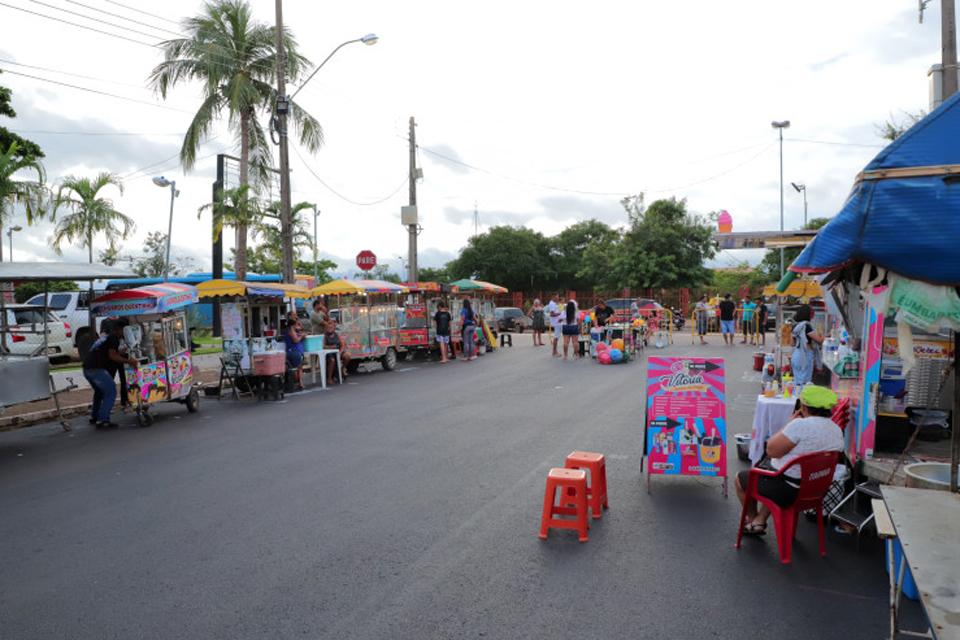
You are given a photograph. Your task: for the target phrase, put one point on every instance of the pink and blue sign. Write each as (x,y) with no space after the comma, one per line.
(686,417)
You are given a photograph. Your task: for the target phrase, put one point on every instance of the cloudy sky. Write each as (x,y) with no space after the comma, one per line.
(530,113)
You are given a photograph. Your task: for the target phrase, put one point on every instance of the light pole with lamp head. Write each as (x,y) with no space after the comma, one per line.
(10,235)
(802,188)
(781,125)
(163,182)
(280,125)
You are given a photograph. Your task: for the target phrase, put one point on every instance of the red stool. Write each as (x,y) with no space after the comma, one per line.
(597,487)
(572,484)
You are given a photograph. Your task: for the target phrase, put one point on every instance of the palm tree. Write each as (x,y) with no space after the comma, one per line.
(302,239)
(234,58)
(28,193)
(234,208)
(90,215)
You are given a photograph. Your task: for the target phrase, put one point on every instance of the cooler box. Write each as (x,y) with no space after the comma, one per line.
(313,343)
(269,364)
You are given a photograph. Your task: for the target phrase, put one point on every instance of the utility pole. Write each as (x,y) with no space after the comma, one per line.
(413,273)
(948,44)
(286,232)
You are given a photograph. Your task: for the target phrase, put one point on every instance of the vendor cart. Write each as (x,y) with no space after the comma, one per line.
(369,319)
(158,339)
(418,333)
(480,294)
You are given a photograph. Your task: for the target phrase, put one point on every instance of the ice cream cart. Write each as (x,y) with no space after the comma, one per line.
(480,294)
(158,339)
(369,319)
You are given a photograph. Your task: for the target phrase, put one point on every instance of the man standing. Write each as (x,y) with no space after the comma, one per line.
(748,322)
(727,325)
(442,320)
(318,318)
(761,321)
(602,313)
(702,313)
(556,321)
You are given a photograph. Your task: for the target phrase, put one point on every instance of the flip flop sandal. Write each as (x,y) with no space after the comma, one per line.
(755,529)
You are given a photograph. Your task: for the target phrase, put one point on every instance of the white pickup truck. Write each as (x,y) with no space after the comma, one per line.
(72,307)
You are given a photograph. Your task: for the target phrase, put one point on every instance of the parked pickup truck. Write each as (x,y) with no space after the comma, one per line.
(72,307)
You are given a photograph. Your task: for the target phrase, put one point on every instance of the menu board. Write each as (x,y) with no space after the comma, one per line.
(231,321)
(686,417)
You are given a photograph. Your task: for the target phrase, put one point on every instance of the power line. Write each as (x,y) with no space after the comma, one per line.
(96,133)
(80,15)
(152,15)
(343,197)
(102,93)
(106,33)
(74,75)
(117,15)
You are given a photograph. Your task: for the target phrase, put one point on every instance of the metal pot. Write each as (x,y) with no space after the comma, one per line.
(933,423)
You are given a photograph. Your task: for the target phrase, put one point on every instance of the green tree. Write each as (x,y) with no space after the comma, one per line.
(893,129)
(90,214)
(237,209)
(30,194)
(435,274)
(568,251)
(233,58)
(379,272)
(26,149)
(665,247)
(731,280)
(769,267)
(512,257)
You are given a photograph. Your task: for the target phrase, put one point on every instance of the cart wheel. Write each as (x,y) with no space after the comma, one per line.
(66,425)
(389,360)
(353,366)
(193,401)
(145,418)
(520,328)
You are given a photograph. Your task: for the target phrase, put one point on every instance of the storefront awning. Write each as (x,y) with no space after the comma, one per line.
(352,287)
(479,285)
(156,298)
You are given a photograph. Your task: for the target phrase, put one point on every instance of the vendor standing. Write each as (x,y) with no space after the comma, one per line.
(806,346)
(99,367)
(602,313)
(318,318)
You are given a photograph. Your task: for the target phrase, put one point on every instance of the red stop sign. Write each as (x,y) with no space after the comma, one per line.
(366,260)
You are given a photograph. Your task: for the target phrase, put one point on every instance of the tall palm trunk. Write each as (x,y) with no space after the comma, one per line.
(241,264)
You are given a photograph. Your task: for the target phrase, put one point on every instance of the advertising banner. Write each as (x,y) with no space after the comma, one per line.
(686,431)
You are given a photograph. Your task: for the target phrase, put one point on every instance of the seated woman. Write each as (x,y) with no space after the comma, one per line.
(293,337)
(810,430)
(331,340)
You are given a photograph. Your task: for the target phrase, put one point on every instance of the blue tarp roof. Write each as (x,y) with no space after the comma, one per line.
(910,225)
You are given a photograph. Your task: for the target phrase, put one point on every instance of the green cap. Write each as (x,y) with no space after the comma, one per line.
(818,397)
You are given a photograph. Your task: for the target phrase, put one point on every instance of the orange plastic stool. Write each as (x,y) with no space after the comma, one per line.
(597,487)
(572,484)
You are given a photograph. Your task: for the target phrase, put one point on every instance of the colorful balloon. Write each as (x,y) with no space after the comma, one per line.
(617,344)
(616,355)
(604,357)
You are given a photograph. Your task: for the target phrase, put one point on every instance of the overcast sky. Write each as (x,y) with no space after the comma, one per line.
(538,114)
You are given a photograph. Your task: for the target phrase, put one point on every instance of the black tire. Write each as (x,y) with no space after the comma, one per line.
(520,328)
(84,342)
(193,401)
(353,366)
(389,360)
(145,418)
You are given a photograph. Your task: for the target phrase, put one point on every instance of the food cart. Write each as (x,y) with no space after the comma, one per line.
(369,319)
(158,338)
(418,333)
(480,294)
(252,315)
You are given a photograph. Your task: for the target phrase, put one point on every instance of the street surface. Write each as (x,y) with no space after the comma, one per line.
(406,505)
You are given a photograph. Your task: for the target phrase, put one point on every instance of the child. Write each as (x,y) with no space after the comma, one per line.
(442,319)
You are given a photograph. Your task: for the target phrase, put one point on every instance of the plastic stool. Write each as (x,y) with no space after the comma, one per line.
(572,484)
(597,488)
(457,346)
(506,338)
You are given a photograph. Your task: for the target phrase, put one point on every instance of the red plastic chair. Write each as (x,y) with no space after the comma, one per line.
(816,474)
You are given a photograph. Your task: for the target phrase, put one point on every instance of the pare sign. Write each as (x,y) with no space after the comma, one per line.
(366,260)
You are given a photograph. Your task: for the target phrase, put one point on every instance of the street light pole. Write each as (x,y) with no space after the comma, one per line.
(802,188)
(781,125)
(282,109)
(315,273)
(10,235)
(163,182)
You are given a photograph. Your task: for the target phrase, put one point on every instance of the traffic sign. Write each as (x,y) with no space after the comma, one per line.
(366,260)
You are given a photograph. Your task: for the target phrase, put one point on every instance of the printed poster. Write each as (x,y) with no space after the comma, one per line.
(686,417)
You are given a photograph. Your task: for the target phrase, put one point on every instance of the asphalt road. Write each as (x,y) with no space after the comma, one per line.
(404,505)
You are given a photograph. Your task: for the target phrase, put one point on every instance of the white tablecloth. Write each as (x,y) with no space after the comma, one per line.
(771,415)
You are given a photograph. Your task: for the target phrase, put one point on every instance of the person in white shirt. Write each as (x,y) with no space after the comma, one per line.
(556,321)
(809,431)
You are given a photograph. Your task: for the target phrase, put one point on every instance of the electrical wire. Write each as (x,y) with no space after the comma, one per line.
(714,177)
(85,17)
(74,24)
(96,133)
(117,15)
(343,197)
(102,93)
(152,15)
(74,75)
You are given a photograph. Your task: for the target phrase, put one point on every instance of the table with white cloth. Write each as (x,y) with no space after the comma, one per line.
(321,356)
(771,415)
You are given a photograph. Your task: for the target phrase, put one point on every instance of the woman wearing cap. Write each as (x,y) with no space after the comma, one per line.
(810,430)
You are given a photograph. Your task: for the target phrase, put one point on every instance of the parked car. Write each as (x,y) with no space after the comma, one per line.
(512,319)
(72,307)
(771,317)
(25,332)
(622,307)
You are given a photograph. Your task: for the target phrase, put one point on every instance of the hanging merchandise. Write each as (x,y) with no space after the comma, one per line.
(926,306)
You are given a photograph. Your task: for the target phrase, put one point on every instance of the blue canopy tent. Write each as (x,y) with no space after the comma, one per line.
(903,213)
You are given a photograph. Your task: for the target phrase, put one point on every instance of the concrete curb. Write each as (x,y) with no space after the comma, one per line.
(12,423)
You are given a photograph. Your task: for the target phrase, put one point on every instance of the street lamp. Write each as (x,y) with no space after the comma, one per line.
(802,188)
(402,267)
(781,126)
(280,125)
(10,235)
(163,182)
